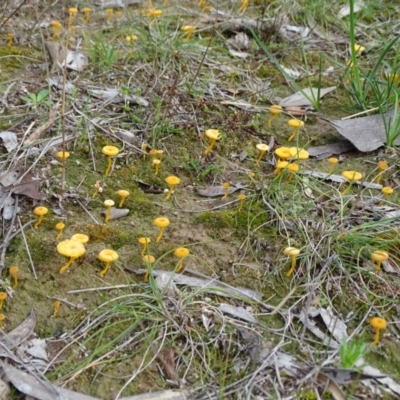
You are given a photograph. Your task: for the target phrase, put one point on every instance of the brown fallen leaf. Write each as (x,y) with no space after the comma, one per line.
(27,186)
(150,188)
(216,191)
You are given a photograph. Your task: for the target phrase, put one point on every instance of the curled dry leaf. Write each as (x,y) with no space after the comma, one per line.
(117,213)
(9,140)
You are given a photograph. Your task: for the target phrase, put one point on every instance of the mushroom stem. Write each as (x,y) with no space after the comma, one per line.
(210,146)
(262,152)
(67,265)
(39,221)
(179,267)
(347,189)
(376,337)
(108,165)
(170,191)
(292,136)
(105,270)
(56,306)
(160,234)
(290,272)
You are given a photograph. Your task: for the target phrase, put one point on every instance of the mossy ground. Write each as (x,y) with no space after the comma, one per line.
(183,82)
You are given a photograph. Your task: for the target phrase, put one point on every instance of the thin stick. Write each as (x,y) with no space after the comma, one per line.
(8,238)
(27,248)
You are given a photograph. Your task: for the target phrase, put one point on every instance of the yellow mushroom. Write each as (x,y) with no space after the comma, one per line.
(332,161)
(262,148)
(241,197)
(56,25)
(379,256)
(226,186)
(295,124)
(275,110)
(280,165)
(156,164)
(149,261)
(386,190)
(144,241)
(293,253)
(181,253)
(56,306)
(107,256)
(378,324)
(123,194)
(382,166)
(161,222)
(108,204)
(3,296)
(86,12)
(188,30)
(60,227)
(110,152)
(72,249)
(213,135)
(283,153)
(110,13)
(292,168)
(2,319)
(96,189)
(351,176)
(299,154)
(80,237)
(14,273)
(40,212)
(172,181)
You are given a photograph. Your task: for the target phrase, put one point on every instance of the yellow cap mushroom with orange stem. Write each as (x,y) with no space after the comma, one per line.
(3,296)
(292,168)
(275,110)
(293,253)
(332,161)
(283,153)
(144,241)
(378,324)
(262,148)
(351,176)
(123,194)
(226,186)
(241,197)
(295,124)
(40,212)
(379,256)
(110,152)
(181,253)
(386,190)
(86,12)
(382,166)
(149,261)
(108,204)
(60,227)
(156,164)
(72,249)
(162,223)
(172,181)
(107,256)
(212,135)
(14,273)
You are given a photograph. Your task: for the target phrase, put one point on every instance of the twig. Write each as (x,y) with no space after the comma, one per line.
(27,248)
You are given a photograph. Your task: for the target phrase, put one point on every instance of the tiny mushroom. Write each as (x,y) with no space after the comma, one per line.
(96,189)
(86,11)
(188,30)
(63,155)
(156,164)
(358,48)
(148,260)
(262,148)
(386,190)
(107,256)
(40,211)
(181,253)
(280,165)
(56,25)
(293,252)
(332,161)
(226,186)
(351,176)
(108,204)
(14,273)
(110,13)
(241,197)
(382,166)
(161,222)
(56,306)
(72,249)
(60,227)
(295,124)
(213,135)
(110,152)
(275,110)
(2,318)
(144,241)
(123,194)
(378,324)
(3,296)
(378,256)
(293,168)
(172,181)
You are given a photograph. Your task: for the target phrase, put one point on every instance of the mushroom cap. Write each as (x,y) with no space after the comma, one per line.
(299,153)
(123,193)
(3,295)
(86,9)
(212,134)
(161,222)
(275,109)
(2,317)
(55,24)
(40,211)
(155,162)
(144,240)
(60,225)
(14,270)
(148,259)
(281,164)
(109,203)
(379,255)
(295,123)
(73,10)
(63,154)
(352,175)
(181,252)
(292,167)
(188,28)
(172,180)
(262,147)
(71,248)
(378,323)
(241,196)
(382,165)
(359,48)
(283,152)
(80,237)
(153,152)
(333,160)
(107,255)
(226,185)
(291,251)
(387,190)
(110,150)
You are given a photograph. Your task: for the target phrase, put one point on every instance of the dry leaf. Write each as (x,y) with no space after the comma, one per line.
(9,139)
(117,213)
(216,191)
(150,188)
(27,186)
(302,98)
(327,150)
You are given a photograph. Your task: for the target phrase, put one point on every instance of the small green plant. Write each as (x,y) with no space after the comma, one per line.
(351,352)
(37,99)
(103,55)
